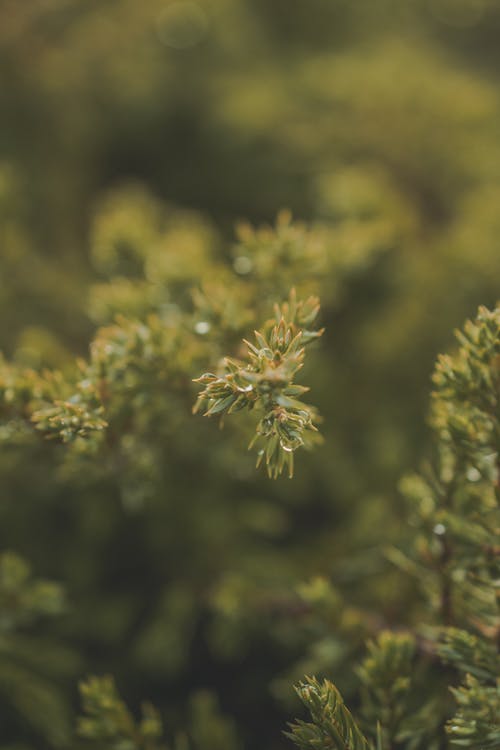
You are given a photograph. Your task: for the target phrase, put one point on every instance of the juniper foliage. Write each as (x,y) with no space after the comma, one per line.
(380,120)
(462,516)
(108,723)
(32,664)
(455,558)
(266,382)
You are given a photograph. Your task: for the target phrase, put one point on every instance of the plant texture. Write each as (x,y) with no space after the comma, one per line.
(455,558)
(266,382)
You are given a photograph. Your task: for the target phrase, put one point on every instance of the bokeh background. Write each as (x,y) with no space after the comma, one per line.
(378,119)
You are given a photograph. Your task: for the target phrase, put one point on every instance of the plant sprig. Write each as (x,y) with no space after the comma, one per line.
(265,382)
(332,724)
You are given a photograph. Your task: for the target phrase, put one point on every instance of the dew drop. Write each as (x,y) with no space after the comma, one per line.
(202,327)
(473,474)
(242,265)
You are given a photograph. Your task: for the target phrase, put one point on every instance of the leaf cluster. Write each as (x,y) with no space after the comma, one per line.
(331,725)
(108,723)
(455,558)
(31,664)
(265,382)
(23,598)
(476,724)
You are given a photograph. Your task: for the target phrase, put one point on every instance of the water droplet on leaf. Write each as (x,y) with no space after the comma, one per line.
(202,327)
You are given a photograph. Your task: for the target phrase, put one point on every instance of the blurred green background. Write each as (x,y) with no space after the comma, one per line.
(378,119)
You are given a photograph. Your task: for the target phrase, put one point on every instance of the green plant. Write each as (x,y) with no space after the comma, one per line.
(31,663)
(266,382)
(108,723)
(456,560)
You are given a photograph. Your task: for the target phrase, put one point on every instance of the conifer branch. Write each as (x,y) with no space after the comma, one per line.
(476,724)
(108,723)
(22,598)
(331,725)
(386,678)
(265,382)
(470,654)
(455,558)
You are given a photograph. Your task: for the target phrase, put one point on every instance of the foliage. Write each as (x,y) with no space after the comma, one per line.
(456,560)
(266,382)
(332,725)
(135,136)
(31,664)
(108,722)
(476,722)
(387,675)
(106,404)
(22,598)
